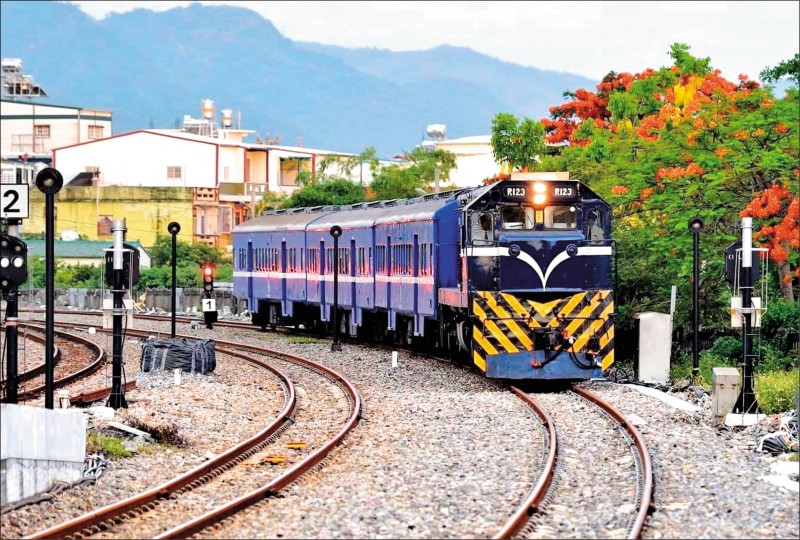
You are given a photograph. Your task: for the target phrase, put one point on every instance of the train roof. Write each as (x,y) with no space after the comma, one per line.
(364,214)
(284,220)
(369,214)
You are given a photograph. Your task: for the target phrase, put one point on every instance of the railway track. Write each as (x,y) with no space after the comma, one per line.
(128,518)
(536,514)
(68,362)
(604,446)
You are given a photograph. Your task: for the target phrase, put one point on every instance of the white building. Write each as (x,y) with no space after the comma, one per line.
(174,158)
(474,159)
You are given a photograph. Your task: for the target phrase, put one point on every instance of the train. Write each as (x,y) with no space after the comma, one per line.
(513,277)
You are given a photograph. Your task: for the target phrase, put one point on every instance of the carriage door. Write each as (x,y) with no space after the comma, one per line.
(284,299)
(352,273)
(415,273)
(248,267)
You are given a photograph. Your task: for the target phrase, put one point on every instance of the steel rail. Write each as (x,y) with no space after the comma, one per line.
(536,496)
(39,368)
(646,504)
(276,485)
(164,490)
(58,383)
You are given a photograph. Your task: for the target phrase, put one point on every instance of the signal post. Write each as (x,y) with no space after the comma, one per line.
(209,303)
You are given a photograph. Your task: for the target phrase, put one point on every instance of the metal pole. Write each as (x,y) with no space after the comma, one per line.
(49,182)
(174,228)
(746,403)
(696,227)
(336,231)
(117,399)
(12,381)
(12,339)
(695,307)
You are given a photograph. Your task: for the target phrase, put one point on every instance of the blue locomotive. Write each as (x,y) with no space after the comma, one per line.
(513,277)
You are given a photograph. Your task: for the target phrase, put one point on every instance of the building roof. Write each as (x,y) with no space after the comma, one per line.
(76,249)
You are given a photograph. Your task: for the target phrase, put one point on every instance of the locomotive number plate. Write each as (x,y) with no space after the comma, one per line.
(564,192)
(515,192)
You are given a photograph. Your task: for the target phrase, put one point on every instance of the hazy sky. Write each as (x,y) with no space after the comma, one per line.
(585,38)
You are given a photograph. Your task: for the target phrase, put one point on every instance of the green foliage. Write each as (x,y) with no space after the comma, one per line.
(787,68)
(110,445)
(686,62)
(520,144)
(777,391)
(78,275)
(36,273)
(186,253)
(333,191)
(417,171)
(706,362)
(780,322)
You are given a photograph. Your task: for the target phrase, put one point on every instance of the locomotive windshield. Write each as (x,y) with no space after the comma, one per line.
(527,217)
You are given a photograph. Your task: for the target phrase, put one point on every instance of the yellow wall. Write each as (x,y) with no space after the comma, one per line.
(146,211)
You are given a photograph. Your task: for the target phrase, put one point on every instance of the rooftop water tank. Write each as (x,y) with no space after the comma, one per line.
(207,108)
(227,118)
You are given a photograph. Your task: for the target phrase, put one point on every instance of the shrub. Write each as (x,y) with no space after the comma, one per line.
(109,445)
(707,361)
(777,391)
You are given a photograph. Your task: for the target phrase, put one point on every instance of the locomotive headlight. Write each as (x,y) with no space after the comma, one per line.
(539,193)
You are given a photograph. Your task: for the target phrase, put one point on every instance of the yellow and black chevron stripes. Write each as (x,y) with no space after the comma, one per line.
(504,323)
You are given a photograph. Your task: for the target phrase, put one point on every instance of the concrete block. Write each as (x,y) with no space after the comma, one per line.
(725,388)
(37,447)
(655,346)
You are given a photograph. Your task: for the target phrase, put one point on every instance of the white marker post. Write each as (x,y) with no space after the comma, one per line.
(394,359)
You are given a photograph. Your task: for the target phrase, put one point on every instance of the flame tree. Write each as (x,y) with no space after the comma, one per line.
(665,145)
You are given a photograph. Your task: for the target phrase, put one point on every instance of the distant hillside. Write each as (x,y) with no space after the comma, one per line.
(151,68)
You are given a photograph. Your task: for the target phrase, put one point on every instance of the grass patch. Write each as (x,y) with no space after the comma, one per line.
(110,445)
(305,339)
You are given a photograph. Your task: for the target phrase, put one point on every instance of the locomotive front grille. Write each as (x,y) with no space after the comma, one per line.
(508,324)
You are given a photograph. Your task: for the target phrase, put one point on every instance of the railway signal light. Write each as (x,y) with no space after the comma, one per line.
(208,278)
(13,261)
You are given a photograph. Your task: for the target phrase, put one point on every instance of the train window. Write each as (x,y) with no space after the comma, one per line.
(594,226)
(380,260)
(560,217)
(483,228)
(517,217)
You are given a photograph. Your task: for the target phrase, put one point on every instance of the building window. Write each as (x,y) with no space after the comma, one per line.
(291,169)
(174,172)
(95,132)
(42,132)
(225,218)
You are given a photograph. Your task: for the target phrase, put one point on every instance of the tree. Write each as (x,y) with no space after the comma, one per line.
(418,169)
(664,145)
(519,144)
(330,191)
(787,68)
